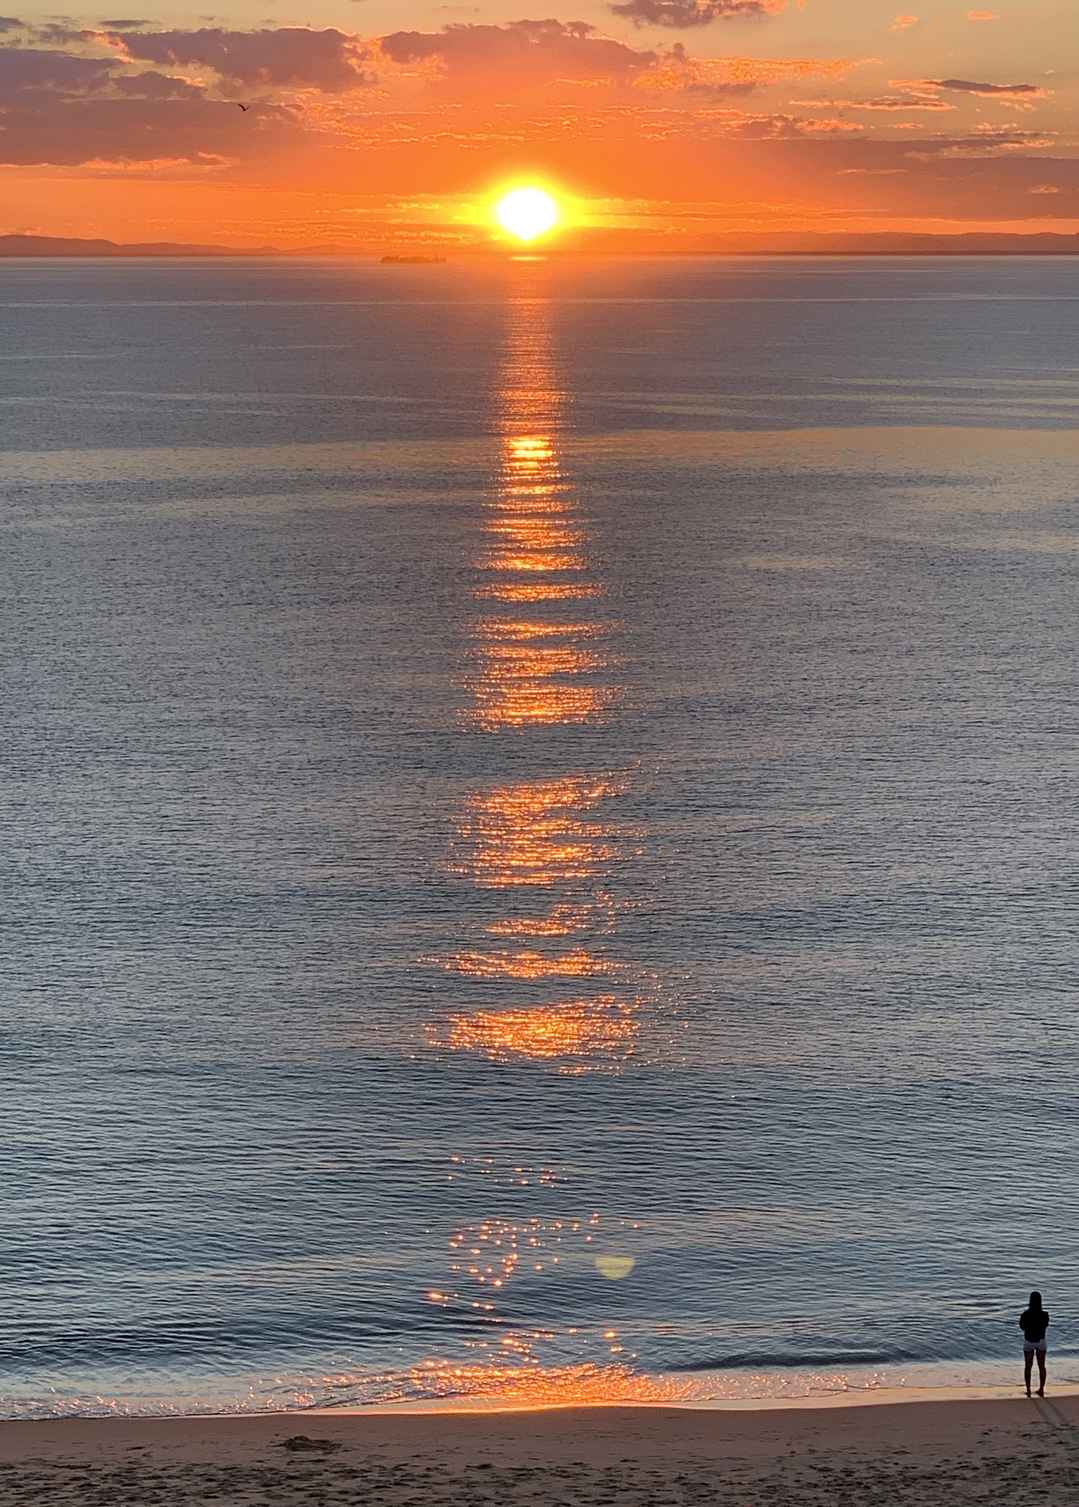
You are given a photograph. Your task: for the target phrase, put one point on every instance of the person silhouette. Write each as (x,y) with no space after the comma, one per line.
(1034,1321)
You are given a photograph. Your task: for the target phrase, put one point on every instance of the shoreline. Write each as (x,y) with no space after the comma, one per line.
(825,1401)
(925,1452)
(886,1395)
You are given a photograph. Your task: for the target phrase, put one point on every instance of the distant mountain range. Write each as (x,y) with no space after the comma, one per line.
(886,243)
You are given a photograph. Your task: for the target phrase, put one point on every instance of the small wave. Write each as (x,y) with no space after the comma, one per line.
(832,1359)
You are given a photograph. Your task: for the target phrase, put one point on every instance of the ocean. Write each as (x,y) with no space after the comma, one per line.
(539,829)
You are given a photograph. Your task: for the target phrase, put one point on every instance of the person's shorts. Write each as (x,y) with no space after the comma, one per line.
(1031,1347)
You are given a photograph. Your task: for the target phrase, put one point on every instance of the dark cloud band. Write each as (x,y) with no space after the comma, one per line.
(287,55)
(683,15)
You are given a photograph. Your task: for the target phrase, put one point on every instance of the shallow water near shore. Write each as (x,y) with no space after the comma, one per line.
(539,829)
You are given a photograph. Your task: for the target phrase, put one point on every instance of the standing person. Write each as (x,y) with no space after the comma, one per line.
(1034,1321)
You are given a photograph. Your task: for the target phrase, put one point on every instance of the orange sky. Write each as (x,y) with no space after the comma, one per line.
(668,124)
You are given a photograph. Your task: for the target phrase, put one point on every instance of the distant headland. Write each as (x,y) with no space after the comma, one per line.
(883,243)
(47,245)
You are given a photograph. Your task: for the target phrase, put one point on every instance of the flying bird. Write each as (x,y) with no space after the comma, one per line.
(241,107)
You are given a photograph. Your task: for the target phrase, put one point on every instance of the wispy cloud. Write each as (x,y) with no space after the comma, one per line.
(904,23)
(985,141)
(881,102)
(675,72)
(970,86)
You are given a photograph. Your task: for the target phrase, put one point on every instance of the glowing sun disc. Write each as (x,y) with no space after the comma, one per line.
(527,213)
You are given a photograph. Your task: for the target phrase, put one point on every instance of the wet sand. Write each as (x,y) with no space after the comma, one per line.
(930,1453)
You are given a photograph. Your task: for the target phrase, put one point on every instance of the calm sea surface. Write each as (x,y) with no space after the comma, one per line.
(539,828)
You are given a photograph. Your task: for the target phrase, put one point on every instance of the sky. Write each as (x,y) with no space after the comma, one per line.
(660,125)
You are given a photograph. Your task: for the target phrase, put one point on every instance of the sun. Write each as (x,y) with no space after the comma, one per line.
(527,212)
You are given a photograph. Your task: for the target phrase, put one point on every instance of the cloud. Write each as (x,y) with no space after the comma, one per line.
(152,85)
(681,15)
(59,33)
(904,23)
(325,60)
(982,15)
(10,23)
(23,69)
(968,86)
(1046,188)
(519,51)
(124,24)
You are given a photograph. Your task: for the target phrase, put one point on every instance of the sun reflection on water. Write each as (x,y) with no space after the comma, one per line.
(560,921)
(541,833)
(507,1366)
(535,671)
(545,985)
(523,1382)
(579,1036)
(538,591)
(529,964)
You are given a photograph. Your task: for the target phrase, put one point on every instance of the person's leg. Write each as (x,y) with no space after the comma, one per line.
(1041,1373)
(1028,1362)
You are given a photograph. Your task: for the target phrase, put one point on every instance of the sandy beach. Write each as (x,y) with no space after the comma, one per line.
(952,1452)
